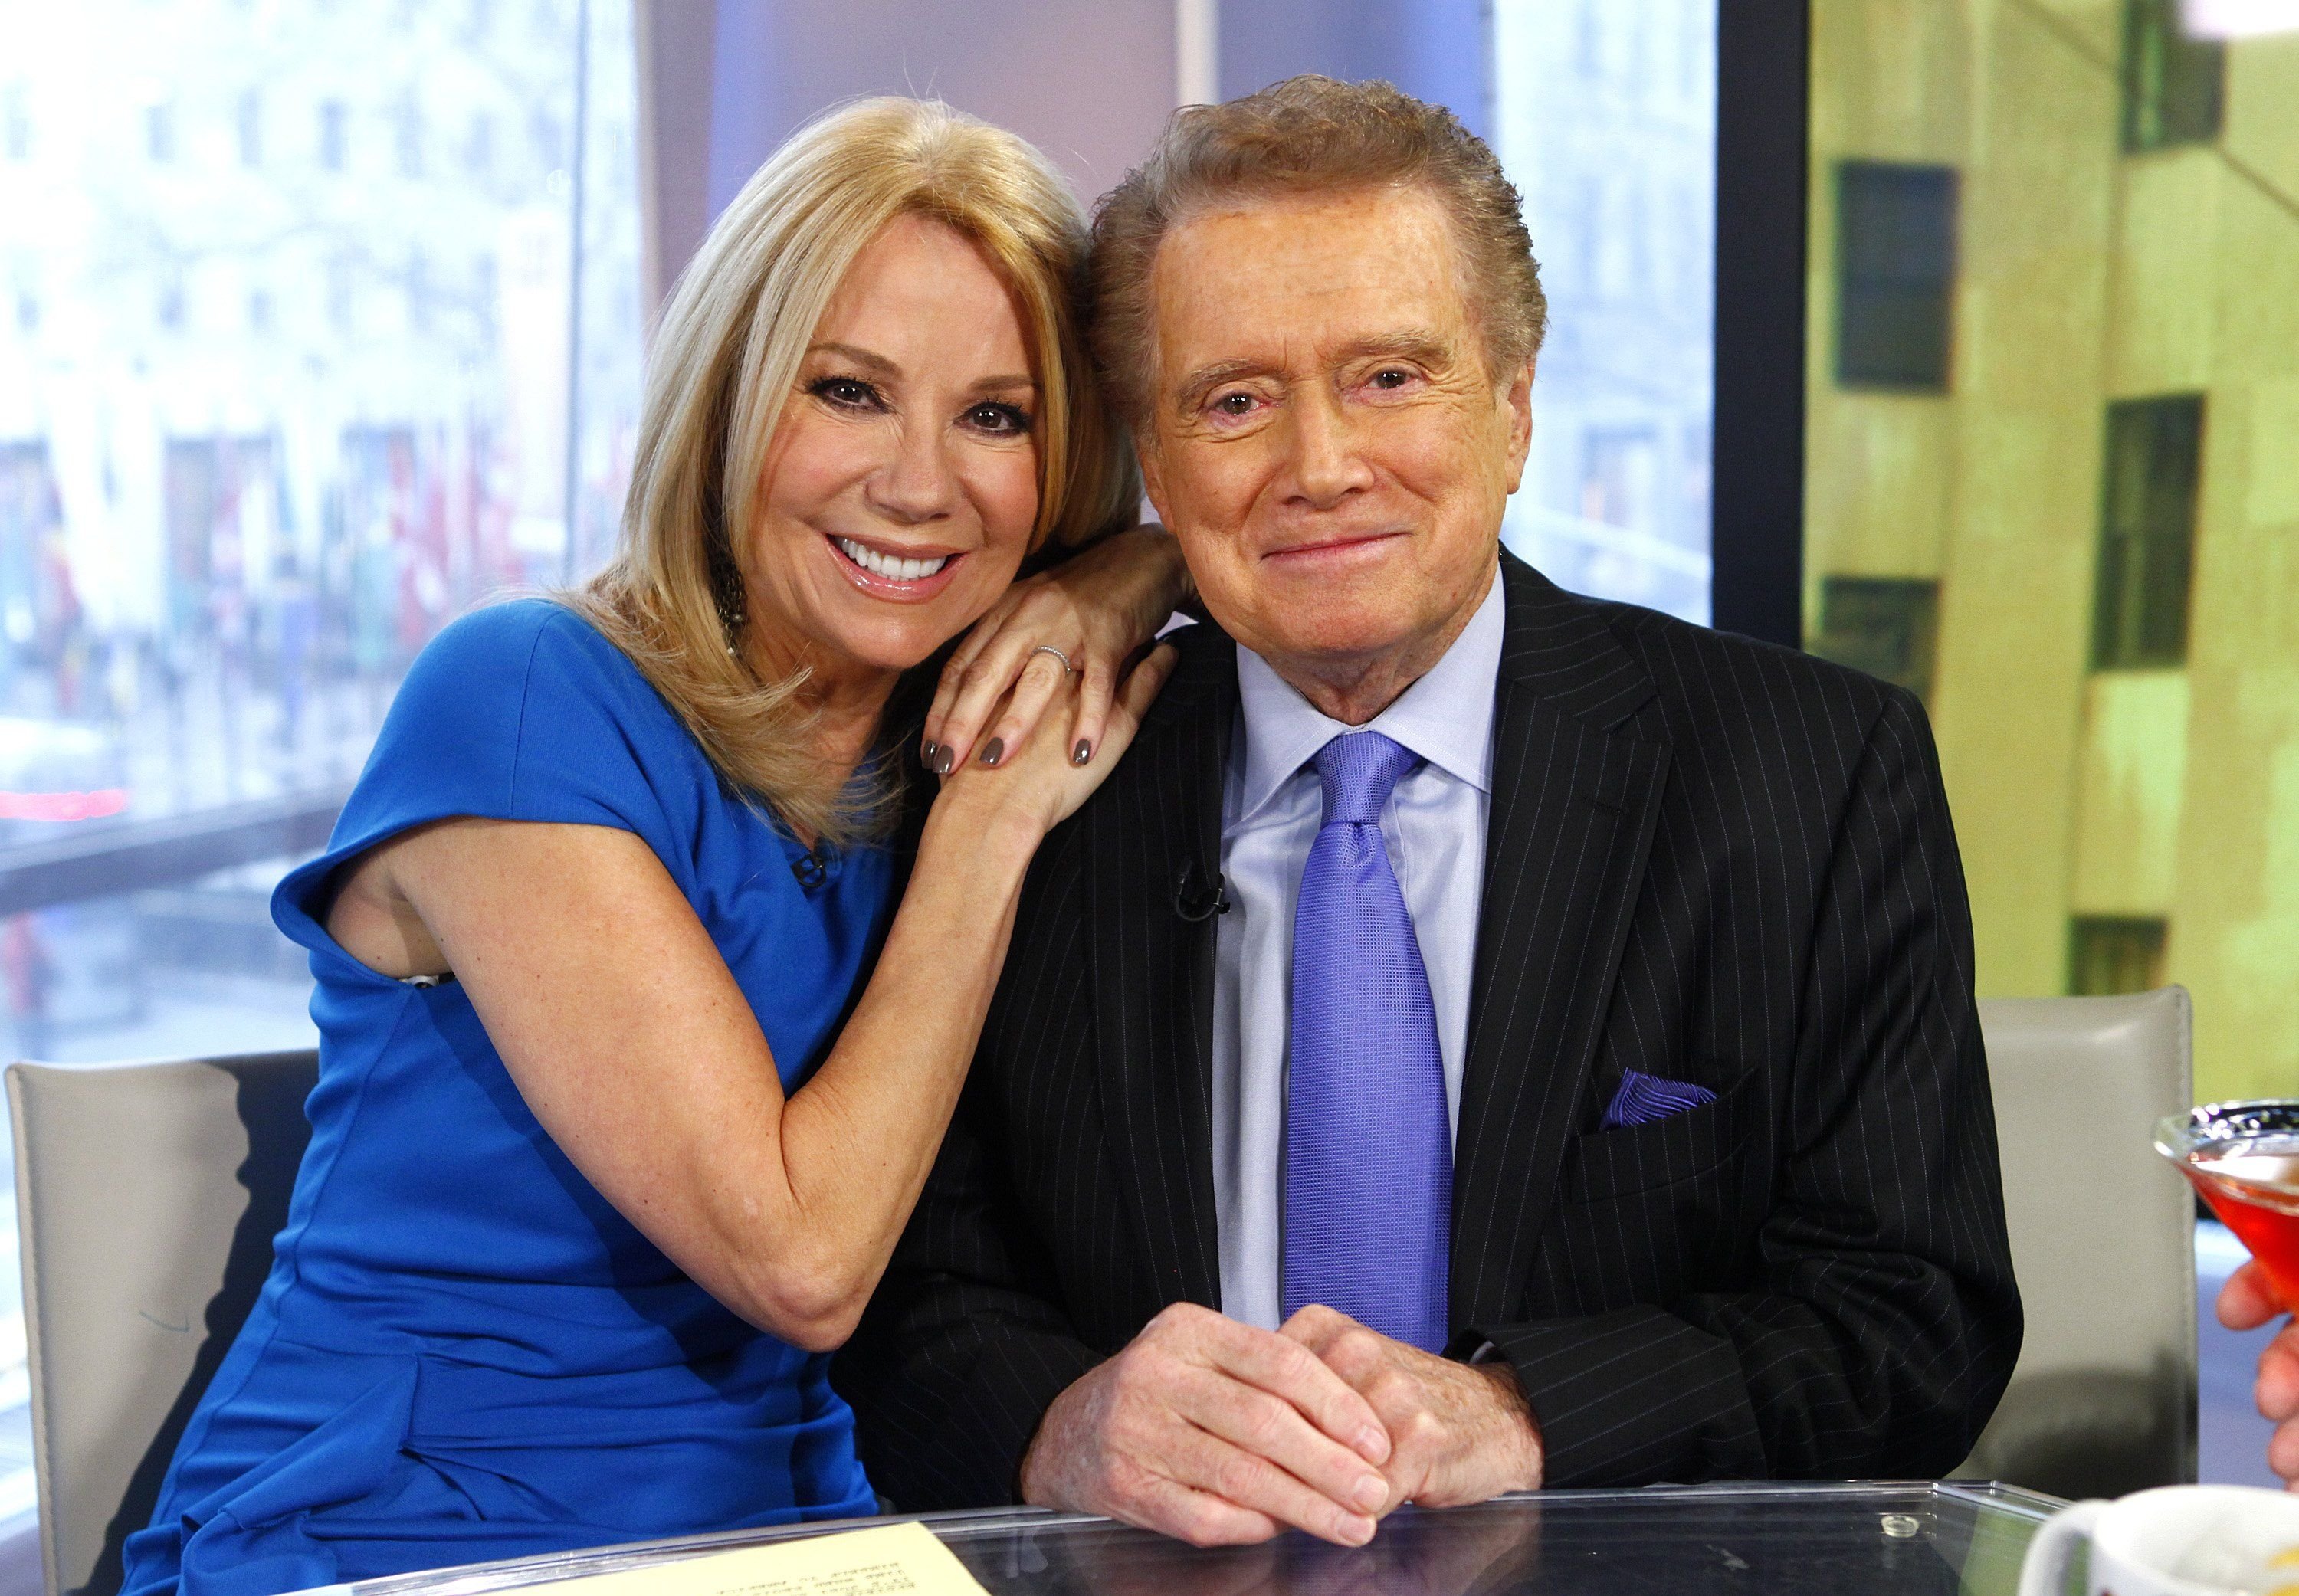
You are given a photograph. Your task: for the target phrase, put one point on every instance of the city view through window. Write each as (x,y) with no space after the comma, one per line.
(1605,115)
(2052,473)
(318,325)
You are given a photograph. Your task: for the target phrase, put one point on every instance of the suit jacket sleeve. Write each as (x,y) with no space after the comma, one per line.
(962,1349)
(1887,1321)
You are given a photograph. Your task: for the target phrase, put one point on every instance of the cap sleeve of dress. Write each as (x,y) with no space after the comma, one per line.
(518,711)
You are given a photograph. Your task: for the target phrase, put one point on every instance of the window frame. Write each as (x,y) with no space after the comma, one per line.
(2128,632)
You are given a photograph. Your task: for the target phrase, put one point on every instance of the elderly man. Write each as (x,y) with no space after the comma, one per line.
(1481,1037)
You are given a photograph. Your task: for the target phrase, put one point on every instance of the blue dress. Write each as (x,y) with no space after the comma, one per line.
(463,1352)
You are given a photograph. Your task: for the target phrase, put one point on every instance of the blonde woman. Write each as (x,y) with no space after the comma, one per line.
(635,1048)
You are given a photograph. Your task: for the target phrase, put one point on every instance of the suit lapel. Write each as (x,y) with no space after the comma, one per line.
(1153,970)
(1575,795)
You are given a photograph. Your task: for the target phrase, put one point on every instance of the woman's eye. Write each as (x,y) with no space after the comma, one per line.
(847,392)
(1392,376)
(1234,404)
(998,418)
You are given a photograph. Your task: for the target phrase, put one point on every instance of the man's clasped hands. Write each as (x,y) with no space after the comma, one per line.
(1222,1434)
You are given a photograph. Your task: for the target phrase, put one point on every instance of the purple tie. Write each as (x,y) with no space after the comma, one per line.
(1368,1146)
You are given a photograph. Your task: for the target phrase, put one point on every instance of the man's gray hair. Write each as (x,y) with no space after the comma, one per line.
(1311,134)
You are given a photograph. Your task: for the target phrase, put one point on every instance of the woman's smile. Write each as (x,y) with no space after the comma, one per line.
(909,575)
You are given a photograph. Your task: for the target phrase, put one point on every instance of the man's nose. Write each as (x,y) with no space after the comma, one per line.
(1329,463)
(914,483)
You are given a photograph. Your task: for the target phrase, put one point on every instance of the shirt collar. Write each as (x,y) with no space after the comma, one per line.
(1446,717)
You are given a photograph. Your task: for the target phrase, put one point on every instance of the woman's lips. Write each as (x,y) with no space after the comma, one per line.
(878,584)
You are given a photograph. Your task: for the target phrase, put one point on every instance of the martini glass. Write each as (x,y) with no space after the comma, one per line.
(2244,1158)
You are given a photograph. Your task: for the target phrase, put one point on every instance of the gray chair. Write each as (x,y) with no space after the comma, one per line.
(147,1196)
(2103,1241)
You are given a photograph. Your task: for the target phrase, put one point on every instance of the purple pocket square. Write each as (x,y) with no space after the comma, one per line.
(1644,1098)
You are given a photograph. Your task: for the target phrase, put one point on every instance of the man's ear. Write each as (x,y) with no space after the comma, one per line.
(1153,476)
(1517,397)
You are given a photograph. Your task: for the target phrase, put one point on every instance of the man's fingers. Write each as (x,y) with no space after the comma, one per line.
(2248,1301)
(1198,1459)
(1286,1369)
(1269,1427)
(1196,1516)
(1316,1325)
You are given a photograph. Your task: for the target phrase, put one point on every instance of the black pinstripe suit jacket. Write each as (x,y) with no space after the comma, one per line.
(1707,859)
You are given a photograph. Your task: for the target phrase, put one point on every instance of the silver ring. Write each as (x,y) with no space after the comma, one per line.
(1068,668)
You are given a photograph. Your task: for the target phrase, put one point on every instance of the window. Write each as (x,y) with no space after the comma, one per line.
(407,136)
(544,135)
(159,133)
(419,291)
(2105,487)
(479,148)
(250,127)
(2172,83)
(1885,625)
(1620,476)
(1895,275)
(1604,116)
(2108,955)
(218,553)
(340,308)
(2148,532)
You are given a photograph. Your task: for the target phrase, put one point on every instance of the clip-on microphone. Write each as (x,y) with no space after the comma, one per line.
(1194,901)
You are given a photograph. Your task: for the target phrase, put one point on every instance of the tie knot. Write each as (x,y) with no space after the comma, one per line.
(1359,770)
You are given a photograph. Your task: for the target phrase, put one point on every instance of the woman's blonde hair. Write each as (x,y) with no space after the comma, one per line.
(725,360)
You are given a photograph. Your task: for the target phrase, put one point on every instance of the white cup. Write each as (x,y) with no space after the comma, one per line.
(2175,1541)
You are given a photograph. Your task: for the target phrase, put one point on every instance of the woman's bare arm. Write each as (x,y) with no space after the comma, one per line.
(631,1044)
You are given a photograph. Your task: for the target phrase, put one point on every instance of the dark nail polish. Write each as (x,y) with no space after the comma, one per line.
(994,750)
(941,760)
(927,754)
(1082,753)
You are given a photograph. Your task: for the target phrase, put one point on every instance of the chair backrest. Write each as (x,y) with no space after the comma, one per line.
(147,1196)
(2103,1241)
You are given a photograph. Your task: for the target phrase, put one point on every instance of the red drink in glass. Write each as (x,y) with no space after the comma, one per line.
(2244,1158)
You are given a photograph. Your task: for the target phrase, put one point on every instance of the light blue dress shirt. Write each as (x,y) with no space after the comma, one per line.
(1271,806)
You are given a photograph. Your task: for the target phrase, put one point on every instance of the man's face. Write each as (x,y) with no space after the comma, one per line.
(1322,435)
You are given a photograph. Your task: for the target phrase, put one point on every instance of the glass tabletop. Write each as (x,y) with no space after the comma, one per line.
(1953,1538)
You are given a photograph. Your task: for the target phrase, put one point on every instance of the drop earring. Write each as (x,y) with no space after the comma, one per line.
(727,599)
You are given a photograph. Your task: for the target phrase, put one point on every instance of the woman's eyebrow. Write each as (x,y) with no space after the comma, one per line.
(878,365)
(868,360)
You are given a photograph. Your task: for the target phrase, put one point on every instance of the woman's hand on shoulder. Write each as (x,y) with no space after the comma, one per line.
(1098,607)
(1037,785)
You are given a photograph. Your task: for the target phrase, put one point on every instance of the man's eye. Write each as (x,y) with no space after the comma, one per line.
(1391,377)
